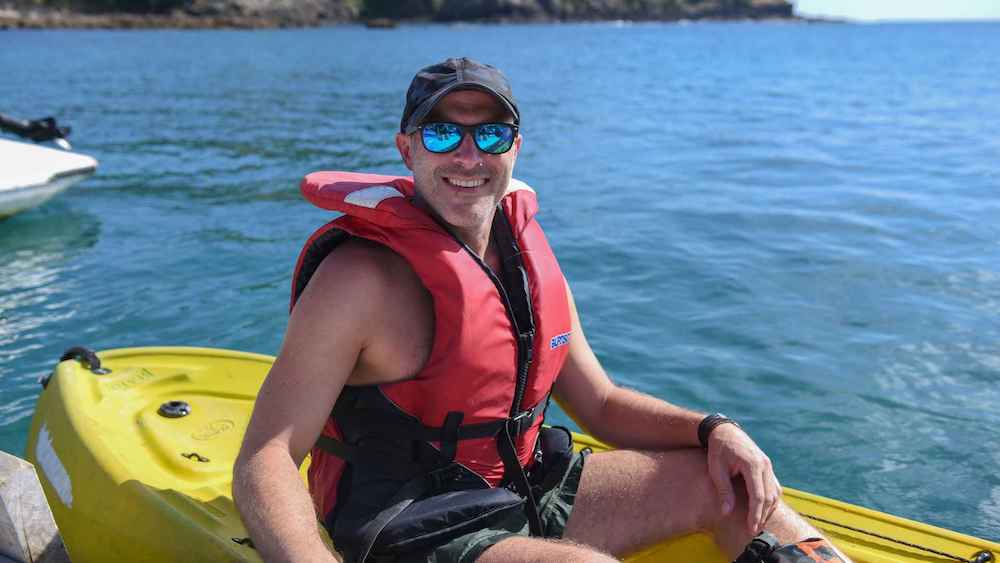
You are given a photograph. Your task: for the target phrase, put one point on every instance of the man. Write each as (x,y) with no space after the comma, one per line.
(433,321)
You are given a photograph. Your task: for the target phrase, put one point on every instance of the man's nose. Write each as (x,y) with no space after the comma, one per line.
(467,153)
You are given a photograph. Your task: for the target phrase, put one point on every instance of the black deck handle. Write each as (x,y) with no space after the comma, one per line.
(86,356)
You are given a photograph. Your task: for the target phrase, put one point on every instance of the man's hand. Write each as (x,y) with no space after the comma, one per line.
(730,453)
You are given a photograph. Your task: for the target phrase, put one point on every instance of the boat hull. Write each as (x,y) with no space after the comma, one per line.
(127,483)
(30,174)
(29,197)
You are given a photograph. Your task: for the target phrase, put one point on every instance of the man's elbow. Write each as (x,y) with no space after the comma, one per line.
(241,479)
(253,464)
(249,465)
(600,420)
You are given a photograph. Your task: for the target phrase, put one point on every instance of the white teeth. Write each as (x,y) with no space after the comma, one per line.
(467,183)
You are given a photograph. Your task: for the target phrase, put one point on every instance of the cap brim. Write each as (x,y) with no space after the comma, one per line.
(422,111)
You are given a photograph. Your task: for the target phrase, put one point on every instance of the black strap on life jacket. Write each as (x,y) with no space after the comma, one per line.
(516,292)
(314,255)
(369,409)
(514,471)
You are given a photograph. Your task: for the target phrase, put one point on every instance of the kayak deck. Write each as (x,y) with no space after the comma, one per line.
(126,482)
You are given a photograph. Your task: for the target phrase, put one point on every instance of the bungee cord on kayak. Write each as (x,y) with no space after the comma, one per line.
(978,557)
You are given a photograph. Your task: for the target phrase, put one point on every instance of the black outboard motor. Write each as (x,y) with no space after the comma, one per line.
(38,130)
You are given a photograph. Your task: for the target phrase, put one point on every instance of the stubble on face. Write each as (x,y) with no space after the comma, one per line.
(461,187)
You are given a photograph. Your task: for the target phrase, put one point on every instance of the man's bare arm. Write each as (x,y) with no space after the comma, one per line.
(327,332)
(616,415)
(629,419)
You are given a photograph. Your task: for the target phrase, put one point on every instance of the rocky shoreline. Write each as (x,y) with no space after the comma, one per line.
(63,19)
(251,14)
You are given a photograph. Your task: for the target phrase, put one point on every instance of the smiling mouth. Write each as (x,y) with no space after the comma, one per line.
(467,183)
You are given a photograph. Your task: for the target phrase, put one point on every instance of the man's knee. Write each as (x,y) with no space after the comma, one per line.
(537,550)
(698,504)
(630,497)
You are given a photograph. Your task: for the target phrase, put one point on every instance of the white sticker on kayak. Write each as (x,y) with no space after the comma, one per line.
(53,468)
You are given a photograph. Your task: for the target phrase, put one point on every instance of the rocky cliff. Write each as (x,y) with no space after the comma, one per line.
(455,10)
(280,13)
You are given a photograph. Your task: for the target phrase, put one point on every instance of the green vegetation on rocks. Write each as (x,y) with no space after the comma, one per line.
(274,13)
(456,10)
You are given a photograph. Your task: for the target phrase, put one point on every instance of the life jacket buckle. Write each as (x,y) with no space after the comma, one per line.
(444,475)
(516,424)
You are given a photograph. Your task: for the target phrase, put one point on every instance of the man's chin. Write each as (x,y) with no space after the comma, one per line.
(469,218)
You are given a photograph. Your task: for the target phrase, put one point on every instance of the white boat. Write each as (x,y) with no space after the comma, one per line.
(32,174)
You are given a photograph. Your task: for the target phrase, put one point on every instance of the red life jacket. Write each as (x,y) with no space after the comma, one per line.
(471,380)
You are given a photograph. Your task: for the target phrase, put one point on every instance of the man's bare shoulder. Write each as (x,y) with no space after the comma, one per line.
(365,288)
(359,264)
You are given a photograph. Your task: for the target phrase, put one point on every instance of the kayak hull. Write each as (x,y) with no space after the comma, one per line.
(127,483)
(114,470)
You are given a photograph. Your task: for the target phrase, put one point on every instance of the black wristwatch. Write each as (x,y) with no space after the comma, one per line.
(711,422)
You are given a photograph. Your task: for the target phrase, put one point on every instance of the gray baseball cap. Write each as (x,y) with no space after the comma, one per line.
(437,81)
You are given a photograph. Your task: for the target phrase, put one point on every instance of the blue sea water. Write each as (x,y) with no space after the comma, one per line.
(798,225)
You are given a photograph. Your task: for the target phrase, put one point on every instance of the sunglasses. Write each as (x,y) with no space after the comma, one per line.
(491,138)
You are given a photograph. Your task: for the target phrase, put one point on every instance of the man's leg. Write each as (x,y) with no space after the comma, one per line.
(628,500)
(535,550)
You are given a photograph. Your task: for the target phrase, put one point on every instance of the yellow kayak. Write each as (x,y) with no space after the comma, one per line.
(136,462)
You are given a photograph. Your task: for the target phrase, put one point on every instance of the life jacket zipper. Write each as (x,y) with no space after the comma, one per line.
(524,354)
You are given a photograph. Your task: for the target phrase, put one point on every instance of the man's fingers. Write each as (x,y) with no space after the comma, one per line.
(775,498)
(723,484)
(757,497)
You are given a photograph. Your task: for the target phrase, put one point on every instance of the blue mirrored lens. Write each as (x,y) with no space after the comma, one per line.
(441,137)
(494,138)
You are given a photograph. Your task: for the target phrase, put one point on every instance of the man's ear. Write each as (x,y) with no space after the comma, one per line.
(405,149)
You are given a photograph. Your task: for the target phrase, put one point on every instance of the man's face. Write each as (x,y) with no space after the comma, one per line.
(462,186)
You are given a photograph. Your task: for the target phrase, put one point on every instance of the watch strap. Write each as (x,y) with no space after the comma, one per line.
(710,423)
